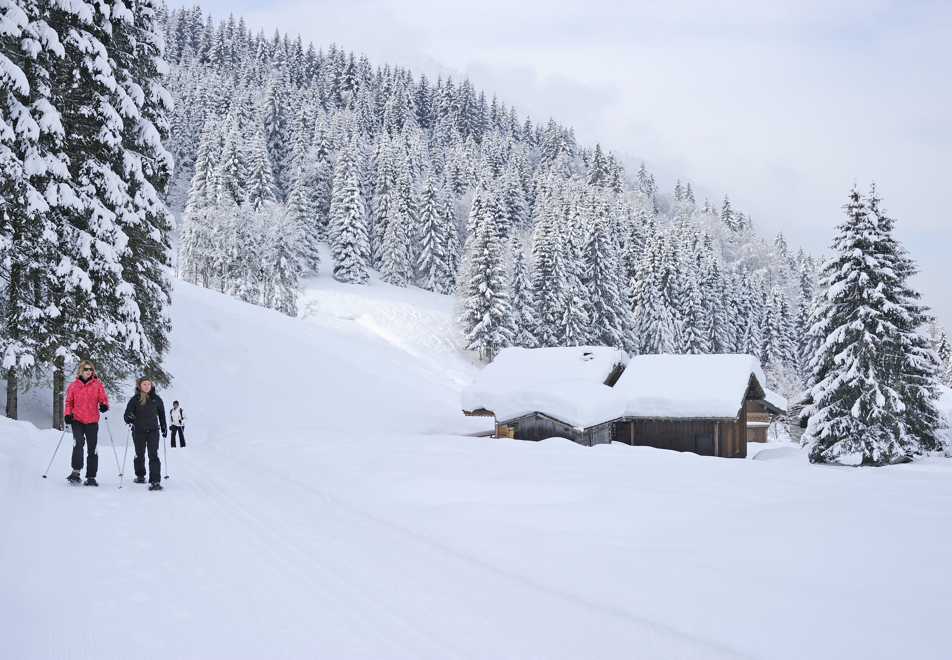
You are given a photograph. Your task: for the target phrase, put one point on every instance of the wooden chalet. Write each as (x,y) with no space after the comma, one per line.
(707,404)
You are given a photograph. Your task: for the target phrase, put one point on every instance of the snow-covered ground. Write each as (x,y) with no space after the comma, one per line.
(330,504)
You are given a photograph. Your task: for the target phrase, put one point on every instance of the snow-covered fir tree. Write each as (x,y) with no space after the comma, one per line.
(485,310)
(439,242)
(350,246)
(875,374)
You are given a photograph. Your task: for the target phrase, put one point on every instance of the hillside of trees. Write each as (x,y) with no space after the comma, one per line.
(432,183)
(280,148)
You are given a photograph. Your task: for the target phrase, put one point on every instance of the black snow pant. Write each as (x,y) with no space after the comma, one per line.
(87,434)
(150,439)
(181,432)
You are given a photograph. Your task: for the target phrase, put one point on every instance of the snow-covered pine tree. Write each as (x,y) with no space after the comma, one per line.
(277,131)
(873,367)
(232,177)
(137,48)
(196,231)
(598,169)
(439,242)
(576,209)
(282,258)
(914,362)
(727,215)
(260,185)
(302,217)
(30,165)
(485,310)
(942,348)
(548,272)
(716,311)
(97,314)
(611,325)
(396,255)
(350,246)
(522,297)
(655,328)
(695,329)
(382,195)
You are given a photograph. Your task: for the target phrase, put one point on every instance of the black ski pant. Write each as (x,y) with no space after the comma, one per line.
(85,434)
(181,432)
(142,440)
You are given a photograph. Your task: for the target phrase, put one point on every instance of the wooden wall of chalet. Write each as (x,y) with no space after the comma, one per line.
(730,437)
(758,419)
(537,427)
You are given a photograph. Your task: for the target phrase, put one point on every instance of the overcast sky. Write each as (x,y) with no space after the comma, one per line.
(780,105)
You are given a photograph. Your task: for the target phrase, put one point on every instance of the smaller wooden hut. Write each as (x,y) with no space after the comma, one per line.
(550,392)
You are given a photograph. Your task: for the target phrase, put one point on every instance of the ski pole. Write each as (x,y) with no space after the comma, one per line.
(124,454)
(166,456)
(54,454)
(114,452)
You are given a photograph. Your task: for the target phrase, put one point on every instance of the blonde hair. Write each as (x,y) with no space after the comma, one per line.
(143,396)
(79,369)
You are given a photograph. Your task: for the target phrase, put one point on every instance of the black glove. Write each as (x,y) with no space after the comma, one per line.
(68,418)
(165,433)
(128,419)
(103,407)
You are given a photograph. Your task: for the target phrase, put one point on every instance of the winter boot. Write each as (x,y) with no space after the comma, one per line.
(74,477)
(155,485)
(91,482)
(139,480)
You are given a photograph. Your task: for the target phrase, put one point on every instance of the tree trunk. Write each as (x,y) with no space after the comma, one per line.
(59,380)
(12,393)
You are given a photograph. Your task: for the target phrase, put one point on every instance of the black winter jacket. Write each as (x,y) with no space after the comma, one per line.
(147,417)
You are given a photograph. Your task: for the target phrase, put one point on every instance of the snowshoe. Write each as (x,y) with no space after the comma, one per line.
(139,480)
(74,477)
(155,485)
(91,482)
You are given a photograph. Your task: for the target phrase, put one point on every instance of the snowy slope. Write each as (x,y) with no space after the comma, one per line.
(328,506)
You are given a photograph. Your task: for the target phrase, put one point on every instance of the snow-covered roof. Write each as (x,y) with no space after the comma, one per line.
(568,385)
(564,383)
(776,400)
(573,401)
(687,386)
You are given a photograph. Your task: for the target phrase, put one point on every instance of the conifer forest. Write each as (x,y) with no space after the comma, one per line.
(280,148)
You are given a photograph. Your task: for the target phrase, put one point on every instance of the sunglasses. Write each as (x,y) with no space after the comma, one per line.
(87,368)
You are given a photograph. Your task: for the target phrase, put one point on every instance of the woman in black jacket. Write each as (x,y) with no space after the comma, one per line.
(146,413)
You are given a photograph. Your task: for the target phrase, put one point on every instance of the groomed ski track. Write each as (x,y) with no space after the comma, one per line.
(230,561)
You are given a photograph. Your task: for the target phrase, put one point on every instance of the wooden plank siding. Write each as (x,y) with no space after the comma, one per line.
(537,427)
(730,436)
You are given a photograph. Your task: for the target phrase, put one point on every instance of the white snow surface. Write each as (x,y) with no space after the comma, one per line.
(328,505)
(564,383)
(687,386)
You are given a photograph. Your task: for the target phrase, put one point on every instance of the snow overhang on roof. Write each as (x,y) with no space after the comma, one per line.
(774,402)
(688,386)
(567,384)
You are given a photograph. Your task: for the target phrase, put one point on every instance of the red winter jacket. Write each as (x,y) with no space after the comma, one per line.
(83,399)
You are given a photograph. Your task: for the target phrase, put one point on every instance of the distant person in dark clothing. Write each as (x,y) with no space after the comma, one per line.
(177,421)
(146,413)
(85,399)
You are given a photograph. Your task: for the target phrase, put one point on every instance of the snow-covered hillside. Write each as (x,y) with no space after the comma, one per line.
(330,504)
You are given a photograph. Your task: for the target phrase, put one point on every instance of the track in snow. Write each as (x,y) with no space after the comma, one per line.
(231,561)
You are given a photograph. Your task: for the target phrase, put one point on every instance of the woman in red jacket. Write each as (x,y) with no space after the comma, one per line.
(85,399)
